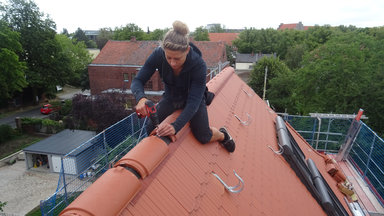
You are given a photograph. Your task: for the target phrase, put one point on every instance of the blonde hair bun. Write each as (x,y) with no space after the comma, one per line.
(180,27)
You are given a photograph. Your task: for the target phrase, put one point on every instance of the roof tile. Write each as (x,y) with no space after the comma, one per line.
(136,52)
(184,184)
(227,38)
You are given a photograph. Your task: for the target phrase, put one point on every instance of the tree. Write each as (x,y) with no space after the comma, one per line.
(275,68)
(79,36)
(99,111)
(200,34)
(216,28)
(335,75)
(318,35)
(105,34)
(41,51)
(295,55)
(157,34)
(12,76)
(78,60)
(128,32)
(257,41)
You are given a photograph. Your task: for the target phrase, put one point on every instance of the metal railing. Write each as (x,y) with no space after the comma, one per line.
(367,157)
(324,135)
(82,166)
(366,154)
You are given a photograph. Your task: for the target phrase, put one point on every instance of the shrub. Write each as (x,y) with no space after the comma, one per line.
(6,133)
(52,126)
(31,121)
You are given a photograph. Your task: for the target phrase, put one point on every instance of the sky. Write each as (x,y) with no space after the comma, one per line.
(237,14)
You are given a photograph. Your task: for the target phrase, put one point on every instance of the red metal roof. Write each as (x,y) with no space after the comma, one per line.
(178,179)
(227,38)
(136,52)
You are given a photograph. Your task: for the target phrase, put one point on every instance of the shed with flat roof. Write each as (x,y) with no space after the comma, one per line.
(49,152)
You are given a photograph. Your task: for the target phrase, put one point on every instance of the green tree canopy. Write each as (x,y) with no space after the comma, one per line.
(157,34)
(79,58)
(200,34)
(129,31)
(79,36)
(216,28)
(335,75)
(37,36)
(271,66)
(105,34)
(12,76)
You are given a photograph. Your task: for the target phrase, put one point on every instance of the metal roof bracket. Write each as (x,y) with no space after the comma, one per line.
(245,123)
(279,152)
(234,189)
(249,94)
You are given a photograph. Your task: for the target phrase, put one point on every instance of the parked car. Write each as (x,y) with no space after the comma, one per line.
(48,108)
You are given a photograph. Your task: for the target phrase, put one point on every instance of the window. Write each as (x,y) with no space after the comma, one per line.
(126,77)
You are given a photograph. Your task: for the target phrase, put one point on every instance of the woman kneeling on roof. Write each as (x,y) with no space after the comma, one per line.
(183,72)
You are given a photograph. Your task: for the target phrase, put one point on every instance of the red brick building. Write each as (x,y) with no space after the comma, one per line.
(119,61)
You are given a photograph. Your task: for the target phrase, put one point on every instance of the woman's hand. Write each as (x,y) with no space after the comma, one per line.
(140,107)
(165,129)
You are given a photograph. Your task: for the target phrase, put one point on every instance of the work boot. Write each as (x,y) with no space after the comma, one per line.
(228,142)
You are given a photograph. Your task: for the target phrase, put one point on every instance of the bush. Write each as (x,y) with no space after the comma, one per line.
(6,133)
(66,108)
(31,125)
(52,126)
(31,121)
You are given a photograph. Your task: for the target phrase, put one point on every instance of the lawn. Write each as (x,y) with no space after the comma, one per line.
(18,143)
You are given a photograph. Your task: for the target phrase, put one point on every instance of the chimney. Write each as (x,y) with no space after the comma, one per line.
(133,39)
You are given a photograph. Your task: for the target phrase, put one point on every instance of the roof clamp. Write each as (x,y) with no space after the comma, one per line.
(234,189)
(249,94)
(279,152)
(245,123)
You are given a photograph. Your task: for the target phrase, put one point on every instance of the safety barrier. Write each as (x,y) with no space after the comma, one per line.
(93,158)
(367,156)
(367,150)
(324,134)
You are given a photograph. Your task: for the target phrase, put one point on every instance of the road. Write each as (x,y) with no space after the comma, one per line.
(31,113)
(34,112)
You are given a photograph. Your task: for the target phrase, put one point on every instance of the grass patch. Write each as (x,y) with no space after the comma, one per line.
(34,212)
(18,143)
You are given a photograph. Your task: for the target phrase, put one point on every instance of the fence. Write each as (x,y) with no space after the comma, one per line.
(328,134)
(324,134)
(367,156)
(82,166)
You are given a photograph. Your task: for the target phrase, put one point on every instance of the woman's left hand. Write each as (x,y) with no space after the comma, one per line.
(165,129)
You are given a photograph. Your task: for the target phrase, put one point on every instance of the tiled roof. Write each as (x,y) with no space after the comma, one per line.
(125,52)
(227,38)
(288,26)
(177,179)
(297,26)
(213,52)
(136,52)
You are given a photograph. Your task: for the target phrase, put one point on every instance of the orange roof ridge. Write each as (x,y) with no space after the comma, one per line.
(184,182)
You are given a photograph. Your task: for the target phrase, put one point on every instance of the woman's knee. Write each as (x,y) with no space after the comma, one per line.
(203,138)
